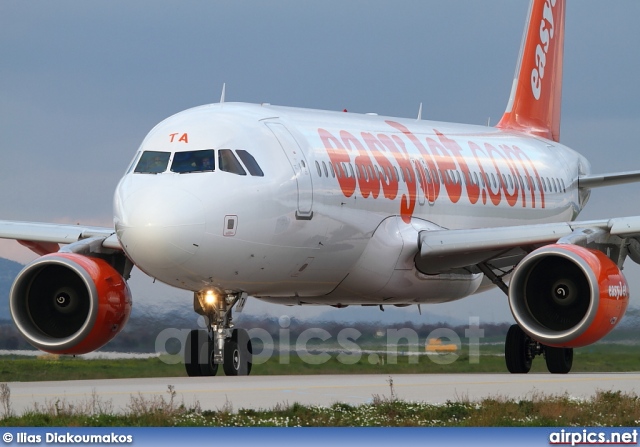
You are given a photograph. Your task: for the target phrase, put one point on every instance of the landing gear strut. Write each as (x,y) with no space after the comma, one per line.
(520,350)
(221,344)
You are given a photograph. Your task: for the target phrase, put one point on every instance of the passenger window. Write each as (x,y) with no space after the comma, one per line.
(324,167)
(318,168)
(333,172)
(229,163)
(250,162)
(193,161)
(153,162)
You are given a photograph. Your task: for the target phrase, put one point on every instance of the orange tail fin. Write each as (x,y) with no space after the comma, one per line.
(534,104)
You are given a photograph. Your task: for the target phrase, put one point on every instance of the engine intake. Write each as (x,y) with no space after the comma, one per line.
(567,296)
(66,303)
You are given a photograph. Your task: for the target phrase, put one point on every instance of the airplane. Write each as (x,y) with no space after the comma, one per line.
(311,207)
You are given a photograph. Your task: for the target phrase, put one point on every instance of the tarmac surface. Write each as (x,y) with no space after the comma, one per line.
(265,392)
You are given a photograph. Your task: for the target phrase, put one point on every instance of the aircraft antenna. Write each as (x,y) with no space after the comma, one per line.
(419,113)
(489,122)
(224,86)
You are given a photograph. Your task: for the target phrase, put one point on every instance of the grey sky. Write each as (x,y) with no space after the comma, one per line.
(83,82)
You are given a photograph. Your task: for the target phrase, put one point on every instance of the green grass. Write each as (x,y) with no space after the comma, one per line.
(30,369)
(604,409)
(597,358)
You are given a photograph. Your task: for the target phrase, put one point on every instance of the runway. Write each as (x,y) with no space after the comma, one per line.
(264,392)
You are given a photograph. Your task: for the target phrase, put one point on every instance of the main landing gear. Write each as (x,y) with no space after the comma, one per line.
(221,344)
(520,350)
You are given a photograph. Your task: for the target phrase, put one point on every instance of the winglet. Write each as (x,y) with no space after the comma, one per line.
(534,104)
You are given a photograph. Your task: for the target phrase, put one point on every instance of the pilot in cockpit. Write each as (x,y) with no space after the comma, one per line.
(206,164)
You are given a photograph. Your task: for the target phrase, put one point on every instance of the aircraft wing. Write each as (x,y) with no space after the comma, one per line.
(446,250)
(615,178)
(44,237)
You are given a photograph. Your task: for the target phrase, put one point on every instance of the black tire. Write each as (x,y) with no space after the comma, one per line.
(516,351)
(559,360)
(237,354)
(198,355)
(209,367)
(191,351)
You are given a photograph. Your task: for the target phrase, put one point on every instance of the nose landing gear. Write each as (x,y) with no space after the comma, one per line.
(221,344)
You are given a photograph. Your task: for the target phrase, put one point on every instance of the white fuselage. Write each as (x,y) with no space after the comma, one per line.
(334,217)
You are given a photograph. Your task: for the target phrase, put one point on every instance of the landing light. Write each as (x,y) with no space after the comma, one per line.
(210,298)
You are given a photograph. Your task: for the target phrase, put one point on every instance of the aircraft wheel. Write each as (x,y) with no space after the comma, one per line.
(516,351)
(237,354)
(193,346)
(559,360)
(210,368)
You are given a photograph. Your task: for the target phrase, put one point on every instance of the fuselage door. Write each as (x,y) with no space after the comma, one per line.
(300,168)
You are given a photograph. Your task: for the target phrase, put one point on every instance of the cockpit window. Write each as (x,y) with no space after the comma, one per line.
(134,162)
(193,161)
(229,163)
(153,162)
(250,163)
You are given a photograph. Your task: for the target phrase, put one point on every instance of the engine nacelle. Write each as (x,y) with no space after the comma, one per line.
(567,296)
(66,303)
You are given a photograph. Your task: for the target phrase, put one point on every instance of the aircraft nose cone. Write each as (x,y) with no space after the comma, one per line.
(161,227)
